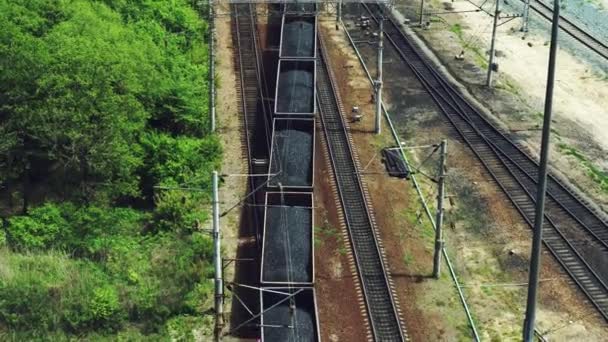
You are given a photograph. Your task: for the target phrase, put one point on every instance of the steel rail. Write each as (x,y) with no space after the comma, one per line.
(261,75)
(450,103)
(572,29)
(378,294)
(572,204)
(514,162)
(247,68)
(249,85)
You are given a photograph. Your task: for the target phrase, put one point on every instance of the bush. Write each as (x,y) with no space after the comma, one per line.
(93,229)
(181,161)
(178,211)
(2,238)
(93,304)
(156,276)
(45,292)
(42,228)
(190,328)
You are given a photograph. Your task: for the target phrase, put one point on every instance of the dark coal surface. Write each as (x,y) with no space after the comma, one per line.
(301,7)
(302,317)
(288,245)
(298,37)
(295,91)
(292,157)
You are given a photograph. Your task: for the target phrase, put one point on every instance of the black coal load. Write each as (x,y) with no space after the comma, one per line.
(298,38)
(292,154)
(302,8)
(295,88)
(293,319)
(287,244)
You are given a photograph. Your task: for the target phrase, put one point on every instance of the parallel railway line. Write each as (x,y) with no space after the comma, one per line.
(379,298)
(573,232)
(572,29)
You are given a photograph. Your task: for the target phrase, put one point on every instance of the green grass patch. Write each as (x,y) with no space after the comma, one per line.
(327,232)
(457,30)
(408,258)
(599,176)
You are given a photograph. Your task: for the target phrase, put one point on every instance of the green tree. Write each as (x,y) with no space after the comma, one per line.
(78,110)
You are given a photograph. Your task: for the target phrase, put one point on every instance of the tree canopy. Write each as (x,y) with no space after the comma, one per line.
(102,102)
(81,81)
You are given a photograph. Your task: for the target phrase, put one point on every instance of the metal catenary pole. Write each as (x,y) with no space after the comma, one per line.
(526,16)
(212,65)
(378,84)
(439,215)
(529,321)
(217,259)
(492,44)
(421,12)
(338,14)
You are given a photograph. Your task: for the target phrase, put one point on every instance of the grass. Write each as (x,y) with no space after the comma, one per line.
(381,141)
(408,258)
(327,232)
(513,88)
(470,210)
(599,176)
(478,56)
(457,30)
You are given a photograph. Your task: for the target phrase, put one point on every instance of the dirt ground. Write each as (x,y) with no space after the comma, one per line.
(486,239)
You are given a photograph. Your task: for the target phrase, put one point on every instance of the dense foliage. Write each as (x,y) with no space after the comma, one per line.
(103,115)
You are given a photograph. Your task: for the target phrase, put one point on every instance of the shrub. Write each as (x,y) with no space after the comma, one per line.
(93,229)
(49,291)
(189,328)
(42,228)
(181,161)
(92,303)
(2,238)
(177,211)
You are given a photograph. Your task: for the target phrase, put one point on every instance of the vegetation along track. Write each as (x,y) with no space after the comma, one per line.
(571,28)
(382,311)
(575,234)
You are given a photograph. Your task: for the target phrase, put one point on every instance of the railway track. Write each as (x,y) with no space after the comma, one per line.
(571,28)
(385,322)
(246,60)
(250,91)
(252,81)
(573,232)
